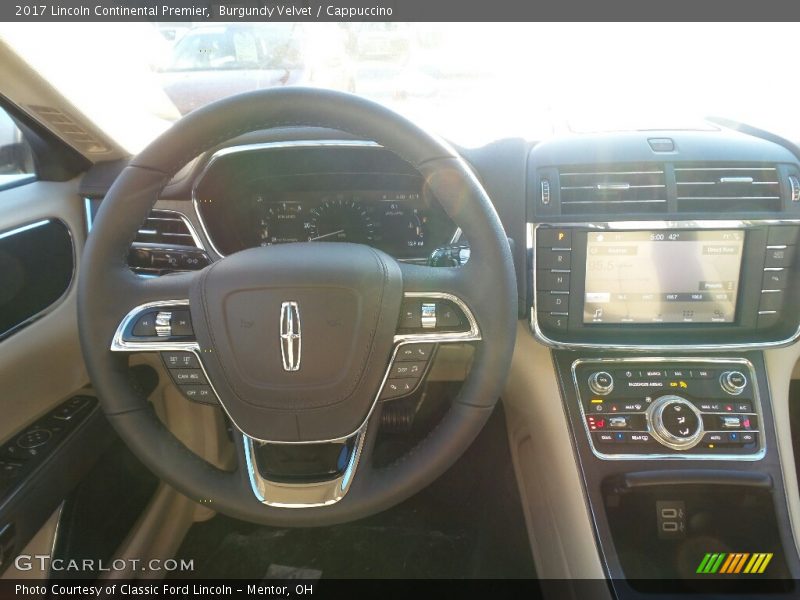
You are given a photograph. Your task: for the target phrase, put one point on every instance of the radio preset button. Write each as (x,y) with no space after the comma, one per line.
(601,383)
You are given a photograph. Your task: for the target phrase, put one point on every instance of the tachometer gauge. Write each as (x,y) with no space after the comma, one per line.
(340,220)
(282,222)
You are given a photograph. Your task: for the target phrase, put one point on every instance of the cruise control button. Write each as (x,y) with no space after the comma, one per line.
(414,352)
(188,376)
(180,360)
(181,323)
(201,393)
(145,326)
(407,369)
(395,388)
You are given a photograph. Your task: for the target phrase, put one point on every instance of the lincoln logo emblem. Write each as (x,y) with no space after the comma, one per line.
(290,336)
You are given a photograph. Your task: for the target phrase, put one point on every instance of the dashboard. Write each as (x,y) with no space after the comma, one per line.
(653,269)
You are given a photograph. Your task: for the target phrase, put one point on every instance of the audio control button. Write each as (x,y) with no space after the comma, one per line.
(601,383)
(733,382)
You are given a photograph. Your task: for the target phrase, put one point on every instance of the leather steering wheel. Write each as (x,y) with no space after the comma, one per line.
(347,297)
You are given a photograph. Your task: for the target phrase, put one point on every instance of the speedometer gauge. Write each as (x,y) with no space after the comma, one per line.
(340,220)
(283,222)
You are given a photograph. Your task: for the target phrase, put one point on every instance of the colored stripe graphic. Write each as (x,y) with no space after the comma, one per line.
(740,564)
(703,563)
(732,564)
(732,558)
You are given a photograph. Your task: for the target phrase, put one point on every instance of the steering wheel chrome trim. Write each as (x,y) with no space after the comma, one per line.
(306,494)
(302,495)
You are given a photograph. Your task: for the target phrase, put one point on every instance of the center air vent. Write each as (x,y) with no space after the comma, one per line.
(619,190)
(165,227)
(703,188)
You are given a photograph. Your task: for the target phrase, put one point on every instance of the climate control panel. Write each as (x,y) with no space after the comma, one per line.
(681,408)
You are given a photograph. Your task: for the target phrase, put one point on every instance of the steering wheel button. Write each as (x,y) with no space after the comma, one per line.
(189,376)
(407,369)
(411,314)
(180,360)
(145,326)
(414,352)
(449,316)
(395,388)
(201,393)
(181,323)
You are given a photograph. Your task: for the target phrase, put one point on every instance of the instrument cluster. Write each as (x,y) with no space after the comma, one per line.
(394,221)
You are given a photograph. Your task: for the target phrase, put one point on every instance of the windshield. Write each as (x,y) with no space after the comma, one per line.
(470,83)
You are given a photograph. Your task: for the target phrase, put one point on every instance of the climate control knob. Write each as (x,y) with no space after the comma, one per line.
(733,382)
(601,383)
(675,422)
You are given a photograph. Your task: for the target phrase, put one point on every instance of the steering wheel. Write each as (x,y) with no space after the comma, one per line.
(296,341)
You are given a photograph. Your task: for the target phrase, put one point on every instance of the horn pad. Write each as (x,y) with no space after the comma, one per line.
(296,337)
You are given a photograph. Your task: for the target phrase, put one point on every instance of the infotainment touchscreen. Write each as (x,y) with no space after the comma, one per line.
(662,276)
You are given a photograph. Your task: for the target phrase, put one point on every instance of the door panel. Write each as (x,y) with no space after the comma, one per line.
(41,364)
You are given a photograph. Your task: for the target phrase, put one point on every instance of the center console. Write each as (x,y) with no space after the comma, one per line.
(660,271)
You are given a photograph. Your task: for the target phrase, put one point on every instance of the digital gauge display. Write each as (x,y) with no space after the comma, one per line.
(395,221)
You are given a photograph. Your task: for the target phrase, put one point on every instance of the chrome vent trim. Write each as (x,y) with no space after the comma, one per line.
(629,189)
(724,187)
(166,227)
